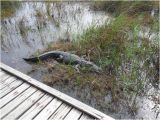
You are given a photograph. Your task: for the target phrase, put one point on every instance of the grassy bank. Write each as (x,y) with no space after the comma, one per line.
(140,10)
(8,8)
(131,8)
(129,62)
(125,58)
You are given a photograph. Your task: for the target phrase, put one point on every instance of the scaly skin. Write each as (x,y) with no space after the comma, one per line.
(65,57)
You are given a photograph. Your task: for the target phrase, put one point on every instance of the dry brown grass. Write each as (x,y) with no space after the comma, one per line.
(60,45)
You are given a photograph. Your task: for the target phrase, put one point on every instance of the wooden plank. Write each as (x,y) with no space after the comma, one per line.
(61,112)
(3,82)
(48,110)
(77,104)
(17,101)
(4,77)
(86,117)
(2,73)
(74,114)
(24,106)
(13,71)
(36,108)
(10,88)
(13,94)
(73,102)
(7,82)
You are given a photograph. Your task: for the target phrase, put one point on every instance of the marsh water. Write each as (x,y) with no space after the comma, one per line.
(36,24)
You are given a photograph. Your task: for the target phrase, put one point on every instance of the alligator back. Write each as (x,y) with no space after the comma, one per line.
(60,56)
(42,57)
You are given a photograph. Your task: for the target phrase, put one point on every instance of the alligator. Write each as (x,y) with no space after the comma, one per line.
(67,58)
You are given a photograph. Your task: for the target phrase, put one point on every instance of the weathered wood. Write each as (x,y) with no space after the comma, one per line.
(10,88)
(7,82)
(86,117)
(2,73)
(69,100)
(74,114)
(73,102)
(61,112)
(4,77)
(48,110)
(13,94)
(16,102)
(36,108)
(13,71)
(24,106)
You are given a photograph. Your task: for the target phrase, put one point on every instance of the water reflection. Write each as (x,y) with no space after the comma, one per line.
(36,24)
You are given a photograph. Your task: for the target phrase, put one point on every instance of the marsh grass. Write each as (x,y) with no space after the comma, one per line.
(126,59)
(109,47)
(126,62)
(131,8)
(60,45)
(8,8)
(129,63)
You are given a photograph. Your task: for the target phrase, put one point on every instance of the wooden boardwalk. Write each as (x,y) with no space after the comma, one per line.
(24,98)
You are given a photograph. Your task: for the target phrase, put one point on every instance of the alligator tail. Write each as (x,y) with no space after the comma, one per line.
(34,59)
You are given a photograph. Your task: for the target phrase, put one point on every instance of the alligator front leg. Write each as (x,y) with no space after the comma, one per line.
(77,68)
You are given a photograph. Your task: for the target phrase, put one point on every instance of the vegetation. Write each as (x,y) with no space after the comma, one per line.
(129,61)
(111,47)
(8,8)
(131,8)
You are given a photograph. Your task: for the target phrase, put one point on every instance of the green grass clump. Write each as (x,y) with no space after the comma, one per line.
(129,61)
(129,7)
(8,8)
(111,48)
(105,42)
